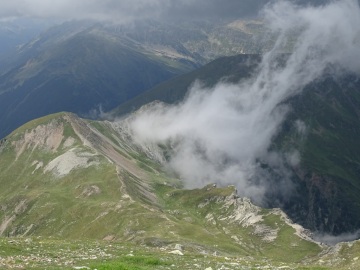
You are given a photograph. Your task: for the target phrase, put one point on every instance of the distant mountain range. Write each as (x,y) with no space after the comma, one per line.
(77,69)
(14,33)
(84,67)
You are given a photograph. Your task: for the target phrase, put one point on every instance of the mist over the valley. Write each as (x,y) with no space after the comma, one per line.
(223,134)
(333,240)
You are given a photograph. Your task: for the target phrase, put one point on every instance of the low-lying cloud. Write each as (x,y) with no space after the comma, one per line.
(222,134)
(333,240)
(128,10)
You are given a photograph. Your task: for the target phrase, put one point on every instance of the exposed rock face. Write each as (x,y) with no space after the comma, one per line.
(72,159)
(47,137)
(246,214)
(242,212)
(323,207)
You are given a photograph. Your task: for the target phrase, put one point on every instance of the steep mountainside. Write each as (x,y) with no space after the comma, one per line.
(328,177)
(84,66)
(326,114)
(78,72)
(16,32)
(232,69)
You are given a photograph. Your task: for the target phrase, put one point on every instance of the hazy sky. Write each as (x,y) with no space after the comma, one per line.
(125,10)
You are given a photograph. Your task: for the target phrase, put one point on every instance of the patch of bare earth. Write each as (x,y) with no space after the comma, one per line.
(70,160)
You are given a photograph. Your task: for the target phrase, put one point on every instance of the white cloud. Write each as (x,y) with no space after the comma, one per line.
(333,240)
(125,10)
(219,134)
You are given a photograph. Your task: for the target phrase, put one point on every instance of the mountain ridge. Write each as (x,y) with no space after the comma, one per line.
(78,179)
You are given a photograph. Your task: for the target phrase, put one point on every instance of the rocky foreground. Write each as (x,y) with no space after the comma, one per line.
(39,253)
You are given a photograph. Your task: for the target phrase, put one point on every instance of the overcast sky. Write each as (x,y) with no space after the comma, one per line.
(125,10)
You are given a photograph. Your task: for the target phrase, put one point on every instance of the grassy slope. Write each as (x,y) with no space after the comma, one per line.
(78,75)
(51,203)
(58,208)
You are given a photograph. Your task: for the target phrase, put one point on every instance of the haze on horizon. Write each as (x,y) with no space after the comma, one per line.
(122,11)
(23,20)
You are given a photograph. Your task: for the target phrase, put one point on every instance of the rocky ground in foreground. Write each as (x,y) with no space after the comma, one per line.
(41,253)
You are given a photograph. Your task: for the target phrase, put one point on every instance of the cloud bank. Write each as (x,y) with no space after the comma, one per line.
(333,240)
(125,10)
(128,10)
(223,134)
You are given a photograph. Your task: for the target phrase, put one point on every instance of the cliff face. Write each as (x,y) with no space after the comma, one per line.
(327,178)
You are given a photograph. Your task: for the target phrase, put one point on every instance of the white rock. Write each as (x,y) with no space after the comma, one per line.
(176,252)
